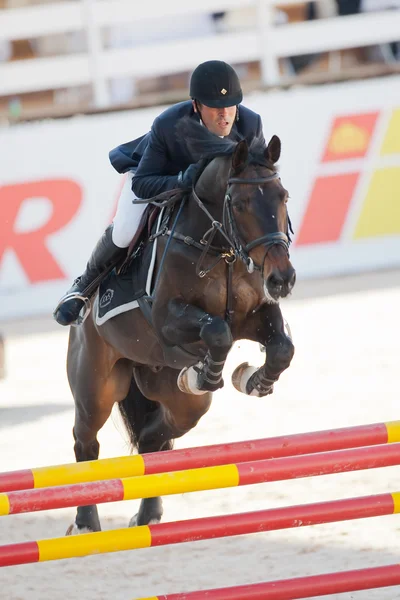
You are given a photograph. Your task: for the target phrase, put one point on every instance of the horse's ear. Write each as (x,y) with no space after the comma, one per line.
(273,151)
(240,156)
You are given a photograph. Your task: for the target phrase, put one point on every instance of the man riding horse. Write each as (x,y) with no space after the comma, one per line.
(222,264)
(159,161)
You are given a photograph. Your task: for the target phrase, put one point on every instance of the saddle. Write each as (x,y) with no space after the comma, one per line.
(148,219)
(130,280)
(146,223)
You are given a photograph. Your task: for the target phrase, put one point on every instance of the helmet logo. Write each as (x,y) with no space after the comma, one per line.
(223,91)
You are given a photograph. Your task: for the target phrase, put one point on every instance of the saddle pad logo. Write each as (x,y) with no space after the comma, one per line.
(106,298)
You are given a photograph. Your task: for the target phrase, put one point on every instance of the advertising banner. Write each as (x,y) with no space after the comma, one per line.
(340,163)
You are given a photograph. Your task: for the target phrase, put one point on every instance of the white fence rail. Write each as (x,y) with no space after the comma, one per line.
(266,44)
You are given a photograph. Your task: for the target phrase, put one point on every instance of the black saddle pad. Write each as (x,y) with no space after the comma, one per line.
(118,293)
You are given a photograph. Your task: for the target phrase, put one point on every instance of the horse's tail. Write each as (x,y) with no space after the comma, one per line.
(134,409)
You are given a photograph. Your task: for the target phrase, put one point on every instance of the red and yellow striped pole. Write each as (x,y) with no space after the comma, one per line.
(200,529)
(194,480)
(299,587)
(206,456)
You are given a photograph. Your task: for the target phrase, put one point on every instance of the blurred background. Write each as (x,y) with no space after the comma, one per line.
(79,56)
(79,77)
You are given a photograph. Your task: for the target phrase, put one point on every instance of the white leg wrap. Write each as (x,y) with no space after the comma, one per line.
(240,377)
(128,215)
(187,381)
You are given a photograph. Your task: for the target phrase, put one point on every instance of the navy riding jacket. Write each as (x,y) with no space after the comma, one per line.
(159,156)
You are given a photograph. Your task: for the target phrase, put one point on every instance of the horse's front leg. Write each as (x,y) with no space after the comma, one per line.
(186,324)
(279,350)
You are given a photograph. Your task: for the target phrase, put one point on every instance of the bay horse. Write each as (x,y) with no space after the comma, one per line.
(221,268)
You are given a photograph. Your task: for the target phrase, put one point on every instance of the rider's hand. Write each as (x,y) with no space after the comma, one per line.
(187,178)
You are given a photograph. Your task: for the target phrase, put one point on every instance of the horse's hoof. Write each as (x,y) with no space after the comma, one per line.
(134,521)
(74,530)
(241,376)
(187,381)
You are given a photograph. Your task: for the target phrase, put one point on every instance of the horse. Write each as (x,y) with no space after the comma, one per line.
(222,265)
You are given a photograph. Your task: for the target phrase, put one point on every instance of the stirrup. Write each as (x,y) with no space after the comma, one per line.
(86,308)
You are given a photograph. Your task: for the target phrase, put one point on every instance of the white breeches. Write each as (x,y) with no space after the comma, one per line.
(128,215)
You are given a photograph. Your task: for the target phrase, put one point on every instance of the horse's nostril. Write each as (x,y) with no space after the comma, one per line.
(275,281)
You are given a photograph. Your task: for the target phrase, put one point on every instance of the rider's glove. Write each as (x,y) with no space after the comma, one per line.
(187,178)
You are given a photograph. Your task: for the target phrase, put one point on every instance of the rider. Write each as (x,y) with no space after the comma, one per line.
(158,162)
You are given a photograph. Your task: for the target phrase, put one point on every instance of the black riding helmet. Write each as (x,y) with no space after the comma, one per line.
(215,84)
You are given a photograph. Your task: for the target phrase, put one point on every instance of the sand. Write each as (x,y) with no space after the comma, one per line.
(345,372)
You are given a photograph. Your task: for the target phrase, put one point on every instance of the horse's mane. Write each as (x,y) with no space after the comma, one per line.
(202,144)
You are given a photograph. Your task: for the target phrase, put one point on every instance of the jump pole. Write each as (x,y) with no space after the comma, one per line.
(194,480)
(206,456)
(299,587)
(199,529)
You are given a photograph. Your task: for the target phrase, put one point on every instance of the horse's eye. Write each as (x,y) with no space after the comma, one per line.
(239,205)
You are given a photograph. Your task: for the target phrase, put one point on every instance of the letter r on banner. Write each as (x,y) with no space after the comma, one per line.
(30,247)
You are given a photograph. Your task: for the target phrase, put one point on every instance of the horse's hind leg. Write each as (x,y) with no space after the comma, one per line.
(86,448)
(96,383)
(139,413)
(162,423)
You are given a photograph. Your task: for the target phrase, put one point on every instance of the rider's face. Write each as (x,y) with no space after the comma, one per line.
(218,120)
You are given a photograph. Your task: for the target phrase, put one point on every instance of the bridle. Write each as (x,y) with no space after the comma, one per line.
(229,230)
(268,240)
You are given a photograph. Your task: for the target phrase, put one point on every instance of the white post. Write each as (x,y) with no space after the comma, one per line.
(100,89)
(269,61)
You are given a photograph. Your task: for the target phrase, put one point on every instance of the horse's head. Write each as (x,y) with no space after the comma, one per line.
(256,217)
(242,180)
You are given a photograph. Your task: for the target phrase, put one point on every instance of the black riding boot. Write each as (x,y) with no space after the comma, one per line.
(105,254)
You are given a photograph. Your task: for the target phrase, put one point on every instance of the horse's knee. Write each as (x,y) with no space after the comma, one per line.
(217,334)
(280,353)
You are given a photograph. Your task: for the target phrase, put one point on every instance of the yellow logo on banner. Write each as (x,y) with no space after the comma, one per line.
(380,213)
(391,142)
(374,184)
(348,138)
